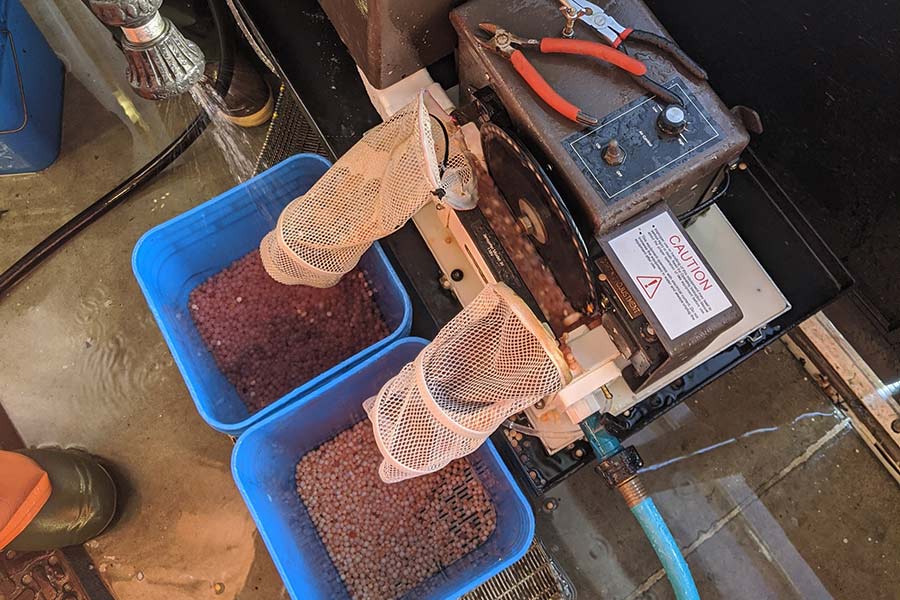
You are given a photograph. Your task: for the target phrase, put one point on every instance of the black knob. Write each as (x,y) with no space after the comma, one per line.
(672,120)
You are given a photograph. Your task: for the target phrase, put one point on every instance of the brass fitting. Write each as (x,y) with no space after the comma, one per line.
(632,491)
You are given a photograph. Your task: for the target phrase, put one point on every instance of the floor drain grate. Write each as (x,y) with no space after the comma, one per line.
(536,576)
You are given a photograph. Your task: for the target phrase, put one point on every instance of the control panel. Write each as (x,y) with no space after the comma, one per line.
(640,142)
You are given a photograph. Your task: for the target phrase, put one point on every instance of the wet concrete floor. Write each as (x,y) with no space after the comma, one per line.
(767,486)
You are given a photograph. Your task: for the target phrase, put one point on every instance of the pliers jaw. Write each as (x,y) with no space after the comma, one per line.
(594,17)
(571,13)
(502,41)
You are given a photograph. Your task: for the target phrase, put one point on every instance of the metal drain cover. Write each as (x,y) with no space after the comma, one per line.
(536,576)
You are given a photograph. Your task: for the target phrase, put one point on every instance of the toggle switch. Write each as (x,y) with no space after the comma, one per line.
(613,153)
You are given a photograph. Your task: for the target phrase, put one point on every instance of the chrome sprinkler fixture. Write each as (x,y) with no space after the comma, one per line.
(162,63)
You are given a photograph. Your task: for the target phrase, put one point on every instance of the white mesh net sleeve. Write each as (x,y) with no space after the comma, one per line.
(492,360)
(370,192)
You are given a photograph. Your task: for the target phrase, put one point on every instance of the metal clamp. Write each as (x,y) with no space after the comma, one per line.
(15,57)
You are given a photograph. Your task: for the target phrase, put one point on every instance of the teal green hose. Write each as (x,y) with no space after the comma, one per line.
(647,515)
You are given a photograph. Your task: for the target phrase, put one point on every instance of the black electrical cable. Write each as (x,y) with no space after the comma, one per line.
(446,160)
(723,189)
(34,257)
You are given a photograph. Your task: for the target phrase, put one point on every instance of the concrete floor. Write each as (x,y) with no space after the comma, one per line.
(795,507)
(769,488)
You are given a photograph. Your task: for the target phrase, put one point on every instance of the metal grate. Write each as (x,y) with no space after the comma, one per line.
(536,576)
(290,132)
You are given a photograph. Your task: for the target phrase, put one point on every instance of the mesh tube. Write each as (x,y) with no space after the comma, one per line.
(491,361)
(370,192)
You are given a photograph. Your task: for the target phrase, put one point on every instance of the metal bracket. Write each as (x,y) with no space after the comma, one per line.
(749,118)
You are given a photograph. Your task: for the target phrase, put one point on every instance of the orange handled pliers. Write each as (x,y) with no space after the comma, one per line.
(504,43)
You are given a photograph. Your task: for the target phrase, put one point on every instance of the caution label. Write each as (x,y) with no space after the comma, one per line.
(665,266)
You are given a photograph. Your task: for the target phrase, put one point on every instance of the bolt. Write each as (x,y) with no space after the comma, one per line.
(551,504)
(895,426)
(445,283)
(533,474)
(219,588)
(578,454)
(602,277)
(456,275)
(27,579)
(742,166)
(10,554)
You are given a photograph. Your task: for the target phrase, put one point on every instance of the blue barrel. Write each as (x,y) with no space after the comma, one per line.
(31,94)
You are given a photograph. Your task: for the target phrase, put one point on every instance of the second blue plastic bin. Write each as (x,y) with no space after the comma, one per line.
(263,465)
(31,94)
(172,259)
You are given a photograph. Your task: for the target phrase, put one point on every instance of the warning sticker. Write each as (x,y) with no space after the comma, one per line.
(665,266)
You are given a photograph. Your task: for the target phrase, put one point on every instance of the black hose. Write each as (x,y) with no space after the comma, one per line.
(34,257)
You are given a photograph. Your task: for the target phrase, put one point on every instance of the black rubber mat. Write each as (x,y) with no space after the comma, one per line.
(818,74)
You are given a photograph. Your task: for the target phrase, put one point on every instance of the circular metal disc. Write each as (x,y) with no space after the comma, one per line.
(530,195)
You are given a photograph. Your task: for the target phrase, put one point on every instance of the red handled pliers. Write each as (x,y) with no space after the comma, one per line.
(504,43)
(615,34)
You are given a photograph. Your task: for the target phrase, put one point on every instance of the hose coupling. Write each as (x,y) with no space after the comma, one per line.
(633,491)
(620,467)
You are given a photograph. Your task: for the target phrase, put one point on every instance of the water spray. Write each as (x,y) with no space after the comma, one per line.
(23,267)
(162,63)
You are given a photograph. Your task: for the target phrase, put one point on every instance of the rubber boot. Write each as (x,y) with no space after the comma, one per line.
(81,504)
(249,102)
(24,490)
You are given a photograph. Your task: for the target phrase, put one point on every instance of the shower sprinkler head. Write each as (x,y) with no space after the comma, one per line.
(161,62)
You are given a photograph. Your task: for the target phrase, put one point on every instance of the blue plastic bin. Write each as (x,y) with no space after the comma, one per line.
(170,260)
(31,94)
(263,465)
